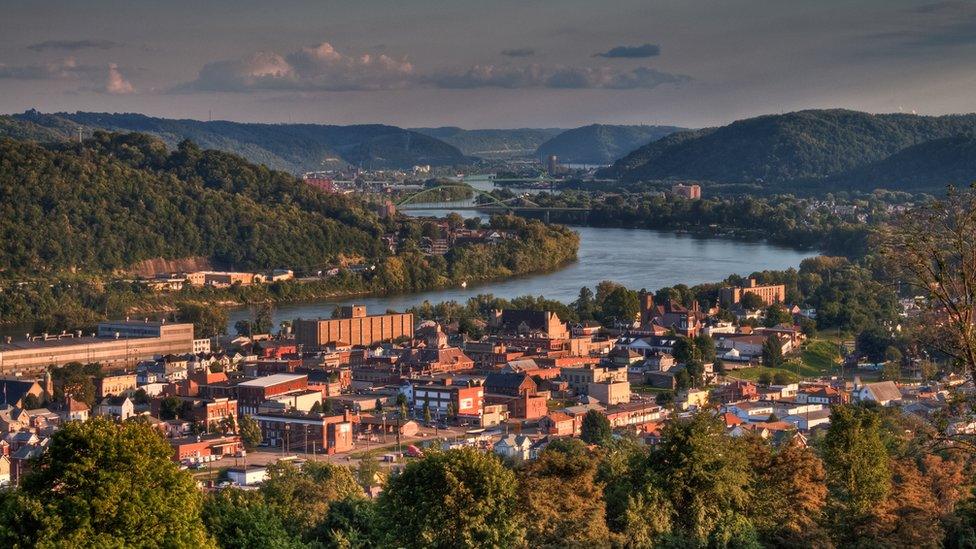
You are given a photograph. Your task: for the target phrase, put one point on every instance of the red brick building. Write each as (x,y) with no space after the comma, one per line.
(251,393)
(312,433)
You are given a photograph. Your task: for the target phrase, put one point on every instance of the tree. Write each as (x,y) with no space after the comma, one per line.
(427,417)
(75,380)
(350,523)
(31,402)
(751,301)
(705,346)
(302,497)
(458,498)
(103,484)
(378,406)
(931,250)
(772,352)
(857,465)
(703,474)
(208,320)
(250,432)
(316,407)
(368,471)
(239,518)
(685,350)
(789,494)
(263,319)
(595,428)
(872,342)
(777,314)
(561,499)
(584,304)
(621,304)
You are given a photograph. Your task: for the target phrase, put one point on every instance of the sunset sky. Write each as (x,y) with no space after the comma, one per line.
(478,64)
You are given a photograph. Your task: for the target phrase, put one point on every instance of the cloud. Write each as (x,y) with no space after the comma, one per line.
(115,83)
(316,68)
(519,52)
(323,68)
(538,76)
(62,69)
(73,45)
(631,52)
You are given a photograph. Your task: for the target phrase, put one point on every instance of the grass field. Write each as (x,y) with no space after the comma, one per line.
(816,358)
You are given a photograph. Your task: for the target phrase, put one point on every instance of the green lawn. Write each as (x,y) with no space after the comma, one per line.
(816,358)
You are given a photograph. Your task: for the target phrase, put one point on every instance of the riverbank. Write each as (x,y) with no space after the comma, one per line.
(71,301)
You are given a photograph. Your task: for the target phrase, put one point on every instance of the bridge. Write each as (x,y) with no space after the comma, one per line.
(481,201)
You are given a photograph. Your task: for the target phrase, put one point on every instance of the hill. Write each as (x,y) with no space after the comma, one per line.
(119,199)
(805,145)
(512,143)
(928,166)
(600,143)
(291,147)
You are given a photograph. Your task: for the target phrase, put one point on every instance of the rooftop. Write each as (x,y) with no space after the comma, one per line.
(268,381)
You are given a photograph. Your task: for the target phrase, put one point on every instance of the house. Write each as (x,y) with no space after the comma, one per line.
(118,407)
(751,411)
(809,420)
(884,393)
(515,447)
(825,395)
(75,410)
(14,391)
(610,392)
(558,424)
(247,476)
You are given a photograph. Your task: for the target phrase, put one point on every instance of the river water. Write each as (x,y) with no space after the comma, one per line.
(635,258)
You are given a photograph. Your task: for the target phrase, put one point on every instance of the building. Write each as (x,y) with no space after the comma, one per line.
(311,433)
(352,327)
(580,378)
(442,397)
(251,393)
(200,448)
(514,323)
(518,393)
(552,164)
(116,345)
(884,393)
(514,447)
(119,407)
(609,393)
(688,192)
(221,279)
(115,384)
(14,391)
(771,293)
(247,476)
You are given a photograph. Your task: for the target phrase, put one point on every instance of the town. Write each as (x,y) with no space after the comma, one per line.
(366,384)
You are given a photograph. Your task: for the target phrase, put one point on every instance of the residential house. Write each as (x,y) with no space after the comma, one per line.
(514,447)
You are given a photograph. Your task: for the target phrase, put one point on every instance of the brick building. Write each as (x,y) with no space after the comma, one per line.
(353,327)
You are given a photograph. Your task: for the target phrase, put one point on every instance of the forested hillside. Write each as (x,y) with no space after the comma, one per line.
(290,147)
(122,198)
(928,166)
(510,143)
(601,143)
(799,146)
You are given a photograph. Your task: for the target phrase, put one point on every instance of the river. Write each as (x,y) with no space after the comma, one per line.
(636,258)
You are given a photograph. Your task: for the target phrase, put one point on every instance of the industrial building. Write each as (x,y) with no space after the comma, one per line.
(115,345)
(352,327)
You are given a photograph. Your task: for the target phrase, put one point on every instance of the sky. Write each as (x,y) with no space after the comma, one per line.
(487,63)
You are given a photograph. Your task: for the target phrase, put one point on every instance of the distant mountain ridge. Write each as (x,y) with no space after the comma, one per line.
(804,146)
(291,147)
(493,143)
(601,143)
(928,167)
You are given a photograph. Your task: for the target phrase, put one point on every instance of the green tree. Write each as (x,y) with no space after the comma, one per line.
(208,320)
(458,498)
(302,497)
(239,518)
(622,305)
(751,301)
(350,523)
(368,471)
(427,417)
(561,499)
(249,431)
(857,465)
(103,484)
(772,352)
(777,314)
(595,428)
(704,475)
